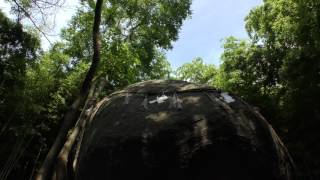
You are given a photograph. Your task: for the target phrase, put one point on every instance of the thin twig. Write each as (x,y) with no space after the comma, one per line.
(32,21)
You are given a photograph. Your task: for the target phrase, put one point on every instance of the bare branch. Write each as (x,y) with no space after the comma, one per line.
(32,21)
(38,12)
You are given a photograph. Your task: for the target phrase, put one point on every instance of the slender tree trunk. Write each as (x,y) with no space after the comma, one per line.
(64,166)
(71,116)
(35,163)
(61,166)
(96,48)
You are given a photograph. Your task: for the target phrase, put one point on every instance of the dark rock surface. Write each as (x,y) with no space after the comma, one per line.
(195,134)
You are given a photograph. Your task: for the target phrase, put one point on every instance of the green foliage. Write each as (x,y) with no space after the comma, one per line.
(278,71)
(197,72)
(159,68)
(18,49)
(133,34)
(248,73)
(38,87)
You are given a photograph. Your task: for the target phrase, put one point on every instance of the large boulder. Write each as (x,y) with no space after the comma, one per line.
(178,130)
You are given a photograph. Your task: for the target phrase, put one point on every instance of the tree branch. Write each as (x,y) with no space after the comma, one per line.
(32,21)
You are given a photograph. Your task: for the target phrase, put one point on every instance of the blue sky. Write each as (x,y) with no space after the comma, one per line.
(211,21)
(200,35)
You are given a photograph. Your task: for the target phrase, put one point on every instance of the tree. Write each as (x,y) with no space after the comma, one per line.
(278,71)
(247,72)
(144,45)
(197,72)
(71,115)
(19,50)
(293,31)
(38,12)
(133,36)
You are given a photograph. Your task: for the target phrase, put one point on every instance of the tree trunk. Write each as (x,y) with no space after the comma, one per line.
(64,165)
(60,170)
(46,169)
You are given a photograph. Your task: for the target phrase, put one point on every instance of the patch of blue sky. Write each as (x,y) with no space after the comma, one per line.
(211,22)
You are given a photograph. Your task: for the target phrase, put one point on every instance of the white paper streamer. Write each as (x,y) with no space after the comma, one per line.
(226,97)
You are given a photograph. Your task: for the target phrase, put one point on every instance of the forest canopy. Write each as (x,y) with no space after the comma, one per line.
(277,69)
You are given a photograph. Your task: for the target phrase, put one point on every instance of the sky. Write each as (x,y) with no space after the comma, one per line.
(210,23)
(200,36)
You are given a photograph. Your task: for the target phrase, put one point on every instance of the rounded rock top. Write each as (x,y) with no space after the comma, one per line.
(169,129)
